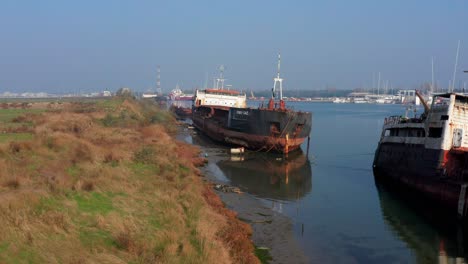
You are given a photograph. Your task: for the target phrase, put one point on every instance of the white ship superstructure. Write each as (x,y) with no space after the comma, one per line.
(219,96)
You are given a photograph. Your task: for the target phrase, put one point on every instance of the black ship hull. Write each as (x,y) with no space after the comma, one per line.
(434,174)
(413,159)
(256,129)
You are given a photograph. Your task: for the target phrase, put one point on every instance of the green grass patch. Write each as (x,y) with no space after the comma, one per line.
(94,202)
(109,120)
(155,222)
(28,256)
(7,115)
(7,118)
(4,246)
(49,204)
(73,171)
(184,169)
(34,163)
(142,169)
(25,254)
(160,117)
(195,241)
(109,105)
(263,254)
(146,155)
(123,119)
(7,137)
(93,237)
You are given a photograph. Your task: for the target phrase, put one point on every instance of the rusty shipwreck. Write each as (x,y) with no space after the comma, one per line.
(429,154)
(223,115)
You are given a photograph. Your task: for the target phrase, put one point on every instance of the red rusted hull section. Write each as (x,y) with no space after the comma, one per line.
(252,142)
(182,111)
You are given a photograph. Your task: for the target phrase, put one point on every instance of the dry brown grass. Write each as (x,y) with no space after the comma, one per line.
(88,191)
(23,118)
(11,182)
(63,121)
(19,147)
(235,233)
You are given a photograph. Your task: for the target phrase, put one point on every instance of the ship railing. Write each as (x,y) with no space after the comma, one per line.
(394,120)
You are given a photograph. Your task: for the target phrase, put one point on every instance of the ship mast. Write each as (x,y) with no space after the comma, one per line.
(279,80)
(220,80)
(455,68)
(432,84)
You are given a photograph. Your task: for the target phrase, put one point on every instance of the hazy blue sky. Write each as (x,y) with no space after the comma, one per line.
(62,46)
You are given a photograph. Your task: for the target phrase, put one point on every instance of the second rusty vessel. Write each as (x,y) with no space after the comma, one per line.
(223,115)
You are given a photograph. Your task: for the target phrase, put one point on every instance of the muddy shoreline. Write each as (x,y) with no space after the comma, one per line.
(271,229)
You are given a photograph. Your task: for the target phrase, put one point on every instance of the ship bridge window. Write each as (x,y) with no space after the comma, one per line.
(421,133)
(435,132)
(444,117)
(461,99)
(405,132)
(393,132)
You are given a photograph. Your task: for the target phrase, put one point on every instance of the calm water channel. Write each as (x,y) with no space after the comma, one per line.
(339,213)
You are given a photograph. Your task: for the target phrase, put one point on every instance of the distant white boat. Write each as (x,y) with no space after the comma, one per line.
(177,95)
(149,95)
(360,101)
(339,100)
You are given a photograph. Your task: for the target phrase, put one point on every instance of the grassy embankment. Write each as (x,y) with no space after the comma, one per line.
(105,182)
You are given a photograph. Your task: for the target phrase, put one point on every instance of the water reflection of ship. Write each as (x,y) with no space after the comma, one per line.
(270,176)
(431,236)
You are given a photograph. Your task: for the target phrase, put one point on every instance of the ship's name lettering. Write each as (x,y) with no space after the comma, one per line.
(239,112)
